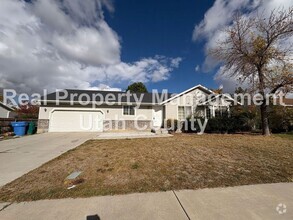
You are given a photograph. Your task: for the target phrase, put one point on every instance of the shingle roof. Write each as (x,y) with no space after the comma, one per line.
(96,95)
(6,107)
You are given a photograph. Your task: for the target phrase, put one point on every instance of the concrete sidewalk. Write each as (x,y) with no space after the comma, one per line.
(244,202)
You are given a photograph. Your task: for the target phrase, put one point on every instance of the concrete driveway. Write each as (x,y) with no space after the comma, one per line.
(21,155)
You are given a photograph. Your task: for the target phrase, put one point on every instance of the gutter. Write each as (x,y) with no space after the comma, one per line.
(91,102)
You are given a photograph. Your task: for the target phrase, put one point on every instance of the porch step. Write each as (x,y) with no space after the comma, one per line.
(160,131)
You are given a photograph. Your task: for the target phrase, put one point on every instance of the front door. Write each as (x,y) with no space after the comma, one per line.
(157,116)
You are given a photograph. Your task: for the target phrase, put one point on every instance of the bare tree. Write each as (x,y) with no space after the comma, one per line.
(259,49)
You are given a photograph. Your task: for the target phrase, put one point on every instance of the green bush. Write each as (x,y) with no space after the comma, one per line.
(191,125)
(240,119)
(281,119)
(222,124)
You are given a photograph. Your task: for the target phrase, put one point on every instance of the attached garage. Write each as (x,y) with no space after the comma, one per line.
(79,120)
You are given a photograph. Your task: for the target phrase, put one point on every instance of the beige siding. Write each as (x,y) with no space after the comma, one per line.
(188,99)
(110,112)
(3,112)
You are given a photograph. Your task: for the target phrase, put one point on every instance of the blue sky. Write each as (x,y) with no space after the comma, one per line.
(155,27)
(108,44)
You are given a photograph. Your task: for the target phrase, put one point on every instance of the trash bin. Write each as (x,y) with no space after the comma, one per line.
(31,128)
(19,128)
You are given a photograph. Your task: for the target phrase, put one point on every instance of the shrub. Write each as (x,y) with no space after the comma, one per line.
(191,125)
(28,111)
(222,124)
(281,119)
(240,119)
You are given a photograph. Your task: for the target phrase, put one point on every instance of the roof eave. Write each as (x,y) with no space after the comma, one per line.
(6,107)
(92,102)
(187,91)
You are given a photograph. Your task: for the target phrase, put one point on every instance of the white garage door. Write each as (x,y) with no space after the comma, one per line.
(76,121)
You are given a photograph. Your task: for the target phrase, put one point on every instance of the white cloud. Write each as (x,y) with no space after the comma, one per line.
(269,5)
(41,46)
(146,70)
(87,11)
(228,83)
(219,17)
(48,12)
(175,62)
(289,96)
(197,68)
(104,87)
(90,46)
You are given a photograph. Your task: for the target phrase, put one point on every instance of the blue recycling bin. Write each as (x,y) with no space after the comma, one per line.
(19,128)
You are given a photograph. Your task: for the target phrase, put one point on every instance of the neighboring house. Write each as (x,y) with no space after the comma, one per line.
(68,115)
(6,111)
(288,102)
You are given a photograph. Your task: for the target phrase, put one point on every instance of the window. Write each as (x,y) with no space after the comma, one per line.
(181,115)
(218,113)
(184,112)
(209,113)
(128,110)
(221,111)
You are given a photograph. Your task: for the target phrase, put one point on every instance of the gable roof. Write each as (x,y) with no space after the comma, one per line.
(187,91)
(6,107)
(147,98)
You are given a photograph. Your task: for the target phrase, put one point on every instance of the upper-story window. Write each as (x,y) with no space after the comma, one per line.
(128,110)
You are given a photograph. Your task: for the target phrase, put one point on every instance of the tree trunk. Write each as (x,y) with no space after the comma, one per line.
(264,119)
(263,107)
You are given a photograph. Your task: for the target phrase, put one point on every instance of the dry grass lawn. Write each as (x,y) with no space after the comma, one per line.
(143,165)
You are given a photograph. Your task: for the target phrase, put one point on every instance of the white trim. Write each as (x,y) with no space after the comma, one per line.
(153,113)
(75,109)
(187,91)
(178,111)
